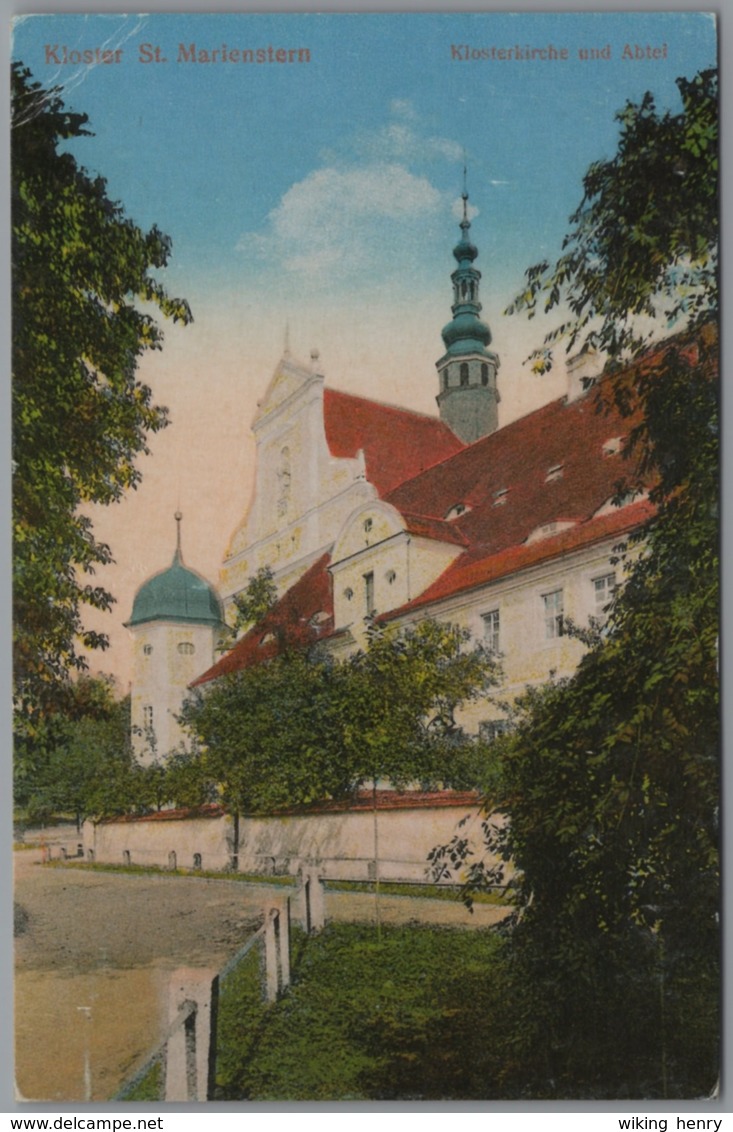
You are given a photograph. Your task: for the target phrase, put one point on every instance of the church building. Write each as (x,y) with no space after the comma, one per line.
(365,510)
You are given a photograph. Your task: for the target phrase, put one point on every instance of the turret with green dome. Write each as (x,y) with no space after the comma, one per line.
(176,624)
(468,395)
(177,594)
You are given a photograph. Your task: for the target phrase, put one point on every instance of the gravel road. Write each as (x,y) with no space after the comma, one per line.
(94,953)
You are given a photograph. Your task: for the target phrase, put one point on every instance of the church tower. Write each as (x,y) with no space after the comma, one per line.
(468,396)
(176,624)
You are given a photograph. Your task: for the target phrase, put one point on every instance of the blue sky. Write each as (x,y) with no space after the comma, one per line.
(234,160)
(324,195)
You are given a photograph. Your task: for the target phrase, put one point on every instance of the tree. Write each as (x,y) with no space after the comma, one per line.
(256,600)
(80,760)
(610,780)
(644,242)
(188,782)
(304,727)
(402,691)
(81,270)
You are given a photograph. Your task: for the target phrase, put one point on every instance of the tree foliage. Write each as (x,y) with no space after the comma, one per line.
(85,279)
(304,727)
(643,249)
(79,760)
(610,782)
(256,600)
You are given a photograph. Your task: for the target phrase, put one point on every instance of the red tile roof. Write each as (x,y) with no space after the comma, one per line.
(209,810)
(502,478)
(501,481)
(437,529)
(289,620)
(397,443)
(363,800)
(467,572)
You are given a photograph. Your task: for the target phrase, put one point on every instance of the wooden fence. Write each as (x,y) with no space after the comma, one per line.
(182,1067)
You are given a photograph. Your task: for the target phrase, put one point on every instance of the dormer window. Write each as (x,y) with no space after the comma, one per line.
(456,510)
(554,473)
(613,446)
(500,496)
(547,530)
(267,639)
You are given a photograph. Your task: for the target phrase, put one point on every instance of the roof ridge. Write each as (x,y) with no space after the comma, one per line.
(402,410)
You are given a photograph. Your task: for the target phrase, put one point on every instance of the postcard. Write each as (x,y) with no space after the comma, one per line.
(365,557)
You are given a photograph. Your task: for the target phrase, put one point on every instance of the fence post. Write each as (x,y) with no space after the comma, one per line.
(285,944)
(304,906)
(317,901)
(272,982)
(191,1050)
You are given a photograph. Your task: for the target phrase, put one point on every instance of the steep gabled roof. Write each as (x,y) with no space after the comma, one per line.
(531,491)
(304,613)
(397,443)
(469,572)
(553,464)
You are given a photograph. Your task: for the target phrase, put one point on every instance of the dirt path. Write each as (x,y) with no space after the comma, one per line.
(95,951)
(108,942)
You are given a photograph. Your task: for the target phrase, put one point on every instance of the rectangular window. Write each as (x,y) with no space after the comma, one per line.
(369,593)
(491,630)
(490,729)
(553,613)
(148,717)
(603,590)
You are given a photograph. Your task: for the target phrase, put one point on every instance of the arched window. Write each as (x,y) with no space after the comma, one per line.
(484,374)
(464,373)
(186,648)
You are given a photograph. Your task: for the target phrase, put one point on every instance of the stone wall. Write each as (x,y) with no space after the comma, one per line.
(339,839)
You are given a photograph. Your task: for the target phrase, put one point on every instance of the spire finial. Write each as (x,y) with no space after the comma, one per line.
(465,222)
(178,516)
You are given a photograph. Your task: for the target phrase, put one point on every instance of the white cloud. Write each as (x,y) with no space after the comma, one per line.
(338,222)
(398,141)
(366,210)
(457,209)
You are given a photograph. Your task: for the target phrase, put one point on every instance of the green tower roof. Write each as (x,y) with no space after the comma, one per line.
(466,333)
(177,594)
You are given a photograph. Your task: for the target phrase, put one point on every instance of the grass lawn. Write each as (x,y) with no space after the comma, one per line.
(415,1015)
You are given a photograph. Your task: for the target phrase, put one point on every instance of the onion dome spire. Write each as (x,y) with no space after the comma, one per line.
(468,395)
(466,332)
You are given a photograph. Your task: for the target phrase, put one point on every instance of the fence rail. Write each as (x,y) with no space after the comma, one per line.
(182,1065)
